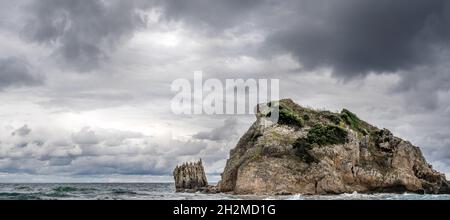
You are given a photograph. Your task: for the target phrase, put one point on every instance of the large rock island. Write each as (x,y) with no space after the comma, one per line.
(310,152)
(321,152)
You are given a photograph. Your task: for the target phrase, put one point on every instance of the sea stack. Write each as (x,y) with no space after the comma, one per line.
(311,151)
(190,177)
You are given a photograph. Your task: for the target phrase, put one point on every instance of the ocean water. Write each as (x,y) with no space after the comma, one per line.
(161,191)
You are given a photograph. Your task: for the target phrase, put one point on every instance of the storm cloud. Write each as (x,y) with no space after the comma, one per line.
(85,85)
(17,72)
(353,37)
(82,32)
(358,37)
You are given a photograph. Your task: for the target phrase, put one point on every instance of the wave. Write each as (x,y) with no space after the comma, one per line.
(63,189)
(19,196)
(68,189)
(296,197)
(124,191)
(25,188)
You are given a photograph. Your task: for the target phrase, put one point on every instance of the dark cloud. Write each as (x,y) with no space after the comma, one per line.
(83,32)
(16,72)
(409,39)
(356,37)
(353,37)
(422,87)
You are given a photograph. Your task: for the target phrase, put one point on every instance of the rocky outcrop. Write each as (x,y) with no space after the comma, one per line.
(321,152)
(190,177)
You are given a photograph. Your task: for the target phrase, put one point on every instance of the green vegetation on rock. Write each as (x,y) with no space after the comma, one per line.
(287,115)
(306,117)
(320,135)
(353,121)
(333,117)
(283,158)
(323,135)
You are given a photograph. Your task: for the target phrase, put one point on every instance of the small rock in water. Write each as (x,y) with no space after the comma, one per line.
(190,177)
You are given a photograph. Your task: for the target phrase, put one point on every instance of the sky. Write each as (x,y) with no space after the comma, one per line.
(85,86)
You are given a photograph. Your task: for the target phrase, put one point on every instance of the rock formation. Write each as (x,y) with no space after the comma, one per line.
(190,177)
(320,152)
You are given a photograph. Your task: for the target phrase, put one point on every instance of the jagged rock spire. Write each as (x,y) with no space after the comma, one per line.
(190,176)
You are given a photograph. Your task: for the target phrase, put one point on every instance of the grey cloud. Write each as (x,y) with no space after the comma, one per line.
(17,72)
(210,15)
(423,85)
(108,137)
(60,161)
(188,148)
(119,164)
(23,165)
(93,152)
(83,32)
(356,37)
(225,132)
(431,134)
(408,39)
(78,100)
(353,37)
(22,144)
(85,137)
(23,131)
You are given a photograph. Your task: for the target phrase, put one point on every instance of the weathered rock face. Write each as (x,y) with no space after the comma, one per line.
(320,152)
(190,177)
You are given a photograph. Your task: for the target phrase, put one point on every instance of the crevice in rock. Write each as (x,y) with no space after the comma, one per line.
(315,186)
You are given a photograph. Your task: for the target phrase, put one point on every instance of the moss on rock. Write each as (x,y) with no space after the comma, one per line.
(320,135)
(287,115)
(353,121)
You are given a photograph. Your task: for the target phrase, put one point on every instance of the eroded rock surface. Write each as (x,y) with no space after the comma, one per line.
(321,152)
(190,177)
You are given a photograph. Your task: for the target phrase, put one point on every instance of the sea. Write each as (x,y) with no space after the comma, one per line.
(163,191)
